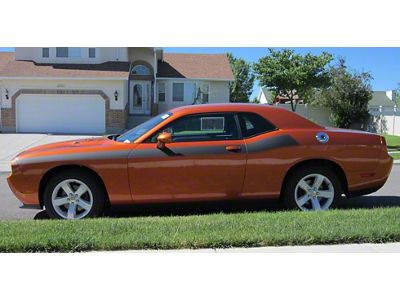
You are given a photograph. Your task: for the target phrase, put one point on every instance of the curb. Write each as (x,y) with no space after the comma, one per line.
(338,248)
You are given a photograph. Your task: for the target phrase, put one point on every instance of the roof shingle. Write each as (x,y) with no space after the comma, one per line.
(174,65)
(198,66)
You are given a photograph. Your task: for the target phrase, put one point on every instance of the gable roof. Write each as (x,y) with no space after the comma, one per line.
(192,66)
(5,58)
(195,66)
(22,68)
(380,98)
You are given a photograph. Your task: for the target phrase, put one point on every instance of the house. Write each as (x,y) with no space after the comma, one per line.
(382,102)
(98,90)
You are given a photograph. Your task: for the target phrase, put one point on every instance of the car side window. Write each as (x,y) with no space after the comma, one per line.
(252,124)
(202,127)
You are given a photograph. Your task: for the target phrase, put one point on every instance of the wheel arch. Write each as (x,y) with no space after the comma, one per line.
(318,162)
(80,168)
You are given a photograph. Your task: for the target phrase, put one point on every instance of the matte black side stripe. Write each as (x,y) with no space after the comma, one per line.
(260,146)
(75,156)
(263,145)
(179,151)
(271,144)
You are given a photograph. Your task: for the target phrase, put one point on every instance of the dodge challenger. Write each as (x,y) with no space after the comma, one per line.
(203,153)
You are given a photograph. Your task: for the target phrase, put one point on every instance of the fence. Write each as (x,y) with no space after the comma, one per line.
(319,115)
(385,119)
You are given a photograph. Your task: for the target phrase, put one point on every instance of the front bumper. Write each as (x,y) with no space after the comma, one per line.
(28,206)
(27,198)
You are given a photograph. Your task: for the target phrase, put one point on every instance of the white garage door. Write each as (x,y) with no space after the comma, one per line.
(60,114)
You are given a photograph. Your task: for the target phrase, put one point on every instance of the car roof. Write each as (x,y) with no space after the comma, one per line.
(280,117)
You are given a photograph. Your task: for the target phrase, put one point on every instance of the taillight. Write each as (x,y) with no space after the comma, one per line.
(383,141)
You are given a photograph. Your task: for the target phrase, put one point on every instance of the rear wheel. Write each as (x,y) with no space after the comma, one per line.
(312,188)
(74,195)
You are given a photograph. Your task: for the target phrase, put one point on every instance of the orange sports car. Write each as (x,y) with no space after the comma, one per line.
(203,153)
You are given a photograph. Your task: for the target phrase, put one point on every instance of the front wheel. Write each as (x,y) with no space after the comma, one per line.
(73,195)
(312,188)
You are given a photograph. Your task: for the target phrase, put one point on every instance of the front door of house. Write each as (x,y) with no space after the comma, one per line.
(140,98)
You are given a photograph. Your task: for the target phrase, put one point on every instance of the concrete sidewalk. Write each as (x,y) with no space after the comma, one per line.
(349,248)
(14,143)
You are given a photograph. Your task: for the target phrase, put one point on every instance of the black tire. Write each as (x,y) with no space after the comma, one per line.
(96,188)
(294,178)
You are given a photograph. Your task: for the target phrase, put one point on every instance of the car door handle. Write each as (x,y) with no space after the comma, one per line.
(233,148)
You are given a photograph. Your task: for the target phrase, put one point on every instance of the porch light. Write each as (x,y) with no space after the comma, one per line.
(6,94)
(116,95)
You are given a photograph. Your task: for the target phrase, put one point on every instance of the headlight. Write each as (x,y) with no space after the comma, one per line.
(14,162)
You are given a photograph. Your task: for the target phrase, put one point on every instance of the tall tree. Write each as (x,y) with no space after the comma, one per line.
(292,75)
(242,87)
(348,96)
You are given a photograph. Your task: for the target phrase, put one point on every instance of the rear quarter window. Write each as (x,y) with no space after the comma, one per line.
(252,124)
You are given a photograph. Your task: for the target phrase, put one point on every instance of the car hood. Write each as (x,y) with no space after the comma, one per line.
(71,146)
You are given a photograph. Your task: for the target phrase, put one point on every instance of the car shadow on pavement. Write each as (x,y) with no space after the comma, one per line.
(203,208)
(371,202)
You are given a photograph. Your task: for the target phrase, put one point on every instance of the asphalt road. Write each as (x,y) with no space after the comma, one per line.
(388,195)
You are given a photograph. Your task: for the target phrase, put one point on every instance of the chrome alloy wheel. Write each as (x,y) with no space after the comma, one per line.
(72,199)
(314,192)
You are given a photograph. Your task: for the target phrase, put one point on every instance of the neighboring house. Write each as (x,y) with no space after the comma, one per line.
(381,102)
(385,114)
(98,90)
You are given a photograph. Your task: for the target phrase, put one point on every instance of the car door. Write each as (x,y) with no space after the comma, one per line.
(205,161)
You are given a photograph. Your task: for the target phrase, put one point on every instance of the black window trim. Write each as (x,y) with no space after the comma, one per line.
(257,134)
(235,116)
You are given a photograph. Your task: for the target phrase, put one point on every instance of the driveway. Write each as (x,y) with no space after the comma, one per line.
(13,143)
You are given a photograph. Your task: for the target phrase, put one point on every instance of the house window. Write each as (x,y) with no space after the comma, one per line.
(177,91)
(74,52)
(61,51)
(161,92)
(45,52)
(140,70)
(92,52)
(201,92)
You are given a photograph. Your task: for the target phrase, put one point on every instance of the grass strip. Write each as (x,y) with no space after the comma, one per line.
(203,231)
(395,155)
(392,141)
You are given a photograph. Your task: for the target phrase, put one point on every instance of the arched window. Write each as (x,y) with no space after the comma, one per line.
(140,70)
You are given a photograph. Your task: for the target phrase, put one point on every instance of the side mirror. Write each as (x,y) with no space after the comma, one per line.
(163,138)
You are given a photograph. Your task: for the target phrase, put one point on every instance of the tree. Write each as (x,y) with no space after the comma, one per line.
(348,96)
(242,87)
(292,75)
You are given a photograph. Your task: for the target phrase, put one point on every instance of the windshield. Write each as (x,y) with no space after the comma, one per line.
(138,131)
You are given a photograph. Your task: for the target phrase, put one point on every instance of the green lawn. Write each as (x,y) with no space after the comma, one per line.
(395,155)
(392,141)
(203,231)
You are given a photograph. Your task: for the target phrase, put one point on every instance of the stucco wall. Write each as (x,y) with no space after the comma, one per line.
(107,86)
(103,54)
(218,93)
(143,54)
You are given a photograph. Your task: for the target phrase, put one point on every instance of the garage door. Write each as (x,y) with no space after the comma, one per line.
(61,114)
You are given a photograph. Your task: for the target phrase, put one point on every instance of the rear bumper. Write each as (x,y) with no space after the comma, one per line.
(381,175)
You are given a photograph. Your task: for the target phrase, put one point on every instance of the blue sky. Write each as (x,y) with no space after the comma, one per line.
(382,63)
